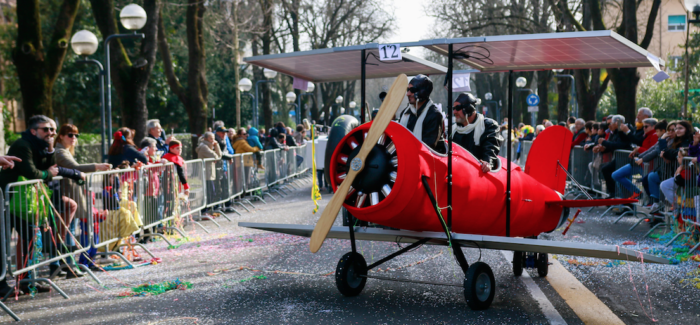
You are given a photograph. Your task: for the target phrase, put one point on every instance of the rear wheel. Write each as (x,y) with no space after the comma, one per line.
(479,286)
(350,275)
(518,263)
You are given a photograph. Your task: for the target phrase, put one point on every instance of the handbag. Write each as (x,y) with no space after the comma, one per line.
(31,204)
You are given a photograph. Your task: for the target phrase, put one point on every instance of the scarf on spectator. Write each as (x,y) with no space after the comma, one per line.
(478,127)
(175,159)
(418,128)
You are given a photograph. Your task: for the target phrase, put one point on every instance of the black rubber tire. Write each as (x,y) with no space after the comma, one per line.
(518,263)
(341,126)
(349,275)
(479,286)
(542,264)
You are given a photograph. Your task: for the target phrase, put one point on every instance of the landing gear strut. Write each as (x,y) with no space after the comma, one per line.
(539,261)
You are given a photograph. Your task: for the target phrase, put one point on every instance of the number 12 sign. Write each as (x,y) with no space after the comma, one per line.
(389,52)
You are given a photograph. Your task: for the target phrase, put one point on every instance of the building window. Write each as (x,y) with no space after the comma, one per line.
(676,23)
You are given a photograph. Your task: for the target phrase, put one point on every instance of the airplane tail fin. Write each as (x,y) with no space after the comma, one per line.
(551,148)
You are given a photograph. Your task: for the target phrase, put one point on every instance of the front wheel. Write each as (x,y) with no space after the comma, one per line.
(518,263)
(542,264)
(351,274)
(479,286)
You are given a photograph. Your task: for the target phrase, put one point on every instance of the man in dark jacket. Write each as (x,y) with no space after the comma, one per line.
(475,132)
(220,137)
(422,117)
(36,152)
(637,133)
(156,132)
(618,140)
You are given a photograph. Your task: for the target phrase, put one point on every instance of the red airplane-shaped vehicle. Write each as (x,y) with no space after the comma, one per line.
(382,174)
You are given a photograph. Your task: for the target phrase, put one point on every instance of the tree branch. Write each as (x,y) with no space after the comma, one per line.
(649,33)
(172,79)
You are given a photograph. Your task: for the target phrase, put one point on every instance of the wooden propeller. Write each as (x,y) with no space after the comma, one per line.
(386,112)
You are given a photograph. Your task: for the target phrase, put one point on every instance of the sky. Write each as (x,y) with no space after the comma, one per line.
(412,23)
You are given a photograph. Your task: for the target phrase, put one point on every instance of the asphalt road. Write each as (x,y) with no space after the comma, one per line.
(242,275)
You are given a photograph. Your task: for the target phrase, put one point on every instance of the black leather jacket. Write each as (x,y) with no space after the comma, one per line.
(489,142)
(433,127)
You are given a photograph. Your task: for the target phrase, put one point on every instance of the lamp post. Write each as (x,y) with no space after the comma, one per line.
(309,91)
(336,112)
(352,106)
(269,75)
(85,43)
(574,103)
(244,85)
(291,97)
(692,6)
(489,100)
(132,17)
(520,83)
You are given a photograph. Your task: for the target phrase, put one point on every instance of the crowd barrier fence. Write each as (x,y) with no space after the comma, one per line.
(41,238)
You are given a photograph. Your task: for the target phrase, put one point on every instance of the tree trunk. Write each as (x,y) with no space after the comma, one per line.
(564,90)
(37,69)
(237,70)
(130,80)
(194,96)
(266,7)
(625,82)
(543,79)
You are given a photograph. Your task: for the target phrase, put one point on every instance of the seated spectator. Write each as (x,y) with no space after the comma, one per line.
(277,143)
(637,134)
(669,148)
(624,174)
(580,134)
(618,140)
(669,186)
(289,138)
(124,149)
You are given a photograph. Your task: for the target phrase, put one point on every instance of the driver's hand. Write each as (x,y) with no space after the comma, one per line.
(485,167)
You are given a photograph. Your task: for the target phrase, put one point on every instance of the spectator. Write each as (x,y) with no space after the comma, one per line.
(242,145)
(8,162)
(66,140)
(174,157)
(650,154)
(652,181)
(252,138)
(580,134)
(300,134)
(148,148)
(35,160)
(281,128)
(669,186)
(261,134)
(638,133)
(277,143)
(124,149)
(272,136)
(571,124)
(155,131)
(539,128)
(618,140)
(624,174)
(289,138)
(231,135)
(223,142)
(208,148)
(548,124)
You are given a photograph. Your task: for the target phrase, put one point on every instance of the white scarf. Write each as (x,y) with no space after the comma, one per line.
(418,128)
(478,127)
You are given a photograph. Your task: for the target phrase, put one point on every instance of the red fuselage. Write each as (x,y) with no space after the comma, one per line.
(478,199)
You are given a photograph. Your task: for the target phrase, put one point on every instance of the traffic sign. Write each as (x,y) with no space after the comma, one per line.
(533,100)
(533,109)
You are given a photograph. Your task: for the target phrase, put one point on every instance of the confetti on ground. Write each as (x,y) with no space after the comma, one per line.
(629,242)
(154,289)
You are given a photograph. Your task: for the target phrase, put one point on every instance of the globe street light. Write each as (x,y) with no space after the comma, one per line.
(489,100)
(520,82)
(85,43)
(339,99)
(244,85)
(310,87)
(132,17)
(269,75)
(291,97)
(336,111)
(352,106)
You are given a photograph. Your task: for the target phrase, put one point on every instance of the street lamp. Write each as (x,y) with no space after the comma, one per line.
(85,43)
(520,83)
(244,85)
(291,97)
(336,112)
(489,100)
(132,17)
(693,6)
(310,87)
(352,106)
(269,77)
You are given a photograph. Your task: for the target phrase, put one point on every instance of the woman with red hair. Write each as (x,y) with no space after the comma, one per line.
(124,149)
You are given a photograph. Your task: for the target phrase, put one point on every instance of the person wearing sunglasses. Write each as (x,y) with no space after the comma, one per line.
(422,117)
(475,132)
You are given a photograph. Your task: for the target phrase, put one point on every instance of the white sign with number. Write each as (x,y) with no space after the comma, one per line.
(389,52)
(533,109)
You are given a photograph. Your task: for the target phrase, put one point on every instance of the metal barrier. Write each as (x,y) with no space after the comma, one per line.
(197,200)
(524,150)
(158,200)
(3,262)
(217,184)
(686,202)
(255,170)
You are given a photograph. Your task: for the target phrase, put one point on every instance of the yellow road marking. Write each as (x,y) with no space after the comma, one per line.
(581,300)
